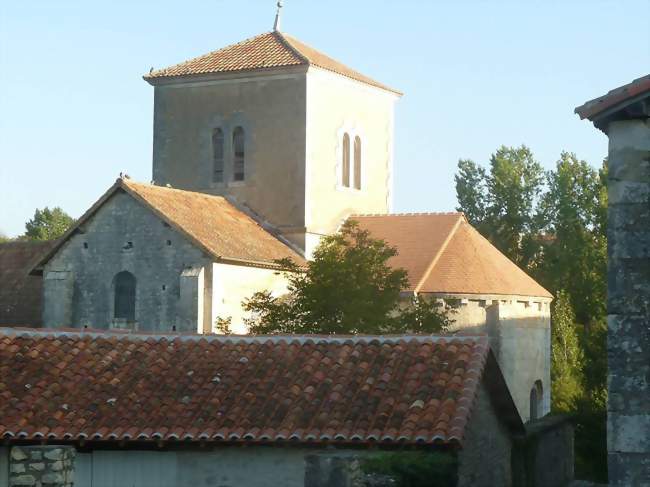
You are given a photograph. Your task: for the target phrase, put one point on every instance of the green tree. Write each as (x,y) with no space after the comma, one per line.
(575,258)
(501,202)
(348,287)
(48,224)
(566,356)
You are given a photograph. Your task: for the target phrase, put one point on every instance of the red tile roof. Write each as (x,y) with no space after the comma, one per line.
(265,51)
(443,253)
(21,295)
(211,222)
(617,96)
(71,385)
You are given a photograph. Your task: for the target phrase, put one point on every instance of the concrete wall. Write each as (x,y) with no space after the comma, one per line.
(485,459)
(628,303)
(233,284)
(222,467)
(519,330)
(336,105)
(153,262)
(270,108)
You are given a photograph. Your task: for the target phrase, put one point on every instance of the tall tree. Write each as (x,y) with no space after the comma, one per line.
(501,202)
(348,287)
(566,356)
(48,224)
(575,259)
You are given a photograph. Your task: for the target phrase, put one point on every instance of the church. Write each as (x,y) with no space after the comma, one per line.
(259,150)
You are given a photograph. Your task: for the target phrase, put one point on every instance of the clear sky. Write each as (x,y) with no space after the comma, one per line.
(74,110)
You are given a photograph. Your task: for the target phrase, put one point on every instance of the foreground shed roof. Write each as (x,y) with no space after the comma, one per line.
(265,51)
(76,385)
(443,253)
(211,222)
(21,294)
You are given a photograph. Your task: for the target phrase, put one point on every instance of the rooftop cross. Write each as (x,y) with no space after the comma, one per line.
(276,24)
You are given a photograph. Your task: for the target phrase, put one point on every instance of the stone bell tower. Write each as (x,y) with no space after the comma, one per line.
(280,128)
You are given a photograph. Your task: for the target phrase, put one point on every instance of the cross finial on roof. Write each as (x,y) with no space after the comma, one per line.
(276,24)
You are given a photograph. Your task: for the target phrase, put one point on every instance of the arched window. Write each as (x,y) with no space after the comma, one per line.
(536,400)
(238,152)
(217,155)
(125,296)
(345,166)
(357,162)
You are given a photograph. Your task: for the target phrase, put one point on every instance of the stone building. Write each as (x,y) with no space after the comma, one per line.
(154,258)
(624,115)
(196,410)
(446,258)
(296,136)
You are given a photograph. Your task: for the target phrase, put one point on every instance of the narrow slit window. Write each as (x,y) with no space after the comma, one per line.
(239,155)
(217,155)
(125,296)
(345,165)
(357,162)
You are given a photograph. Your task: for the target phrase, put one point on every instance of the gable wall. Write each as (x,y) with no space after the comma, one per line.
(86,275)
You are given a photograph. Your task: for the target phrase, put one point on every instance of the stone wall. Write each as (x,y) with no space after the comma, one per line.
(485,459)
(544,457)
(270,108)
(123,235)
(519,330)
(41,466)
(628,303)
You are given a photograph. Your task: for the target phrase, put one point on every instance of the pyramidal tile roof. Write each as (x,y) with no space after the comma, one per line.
(211,222)
(265,51)
(443,253)
(102,386)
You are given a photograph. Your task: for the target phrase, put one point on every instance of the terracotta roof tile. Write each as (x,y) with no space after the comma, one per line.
(126,386)
(622,94)
(20,293)
(269,50)
(211,222)
(443,253)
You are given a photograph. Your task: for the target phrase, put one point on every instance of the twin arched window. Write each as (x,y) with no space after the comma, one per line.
(238,151)
(124,288)
(351,174)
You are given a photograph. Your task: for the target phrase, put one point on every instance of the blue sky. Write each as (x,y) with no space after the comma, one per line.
(74,110)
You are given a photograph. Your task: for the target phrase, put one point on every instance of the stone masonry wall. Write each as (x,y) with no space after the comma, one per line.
(123,236)
(628,303)
(41,466)
(485,460)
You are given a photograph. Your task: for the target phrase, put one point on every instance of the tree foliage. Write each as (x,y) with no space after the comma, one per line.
(48,224)
(553,225)
(567,356)
(348,287)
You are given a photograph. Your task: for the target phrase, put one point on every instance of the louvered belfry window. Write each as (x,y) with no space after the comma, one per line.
(357,162)
(238,145)
(217,155)
(345,166)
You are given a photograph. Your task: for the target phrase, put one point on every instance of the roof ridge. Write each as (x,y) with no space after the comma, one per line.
(301,338)
(425,213)
(158,72)
(441,250)
(287,43)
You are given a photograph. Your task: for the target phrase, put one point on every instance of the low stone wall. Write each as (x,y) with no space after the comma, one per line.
(545,456)
(41,466)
